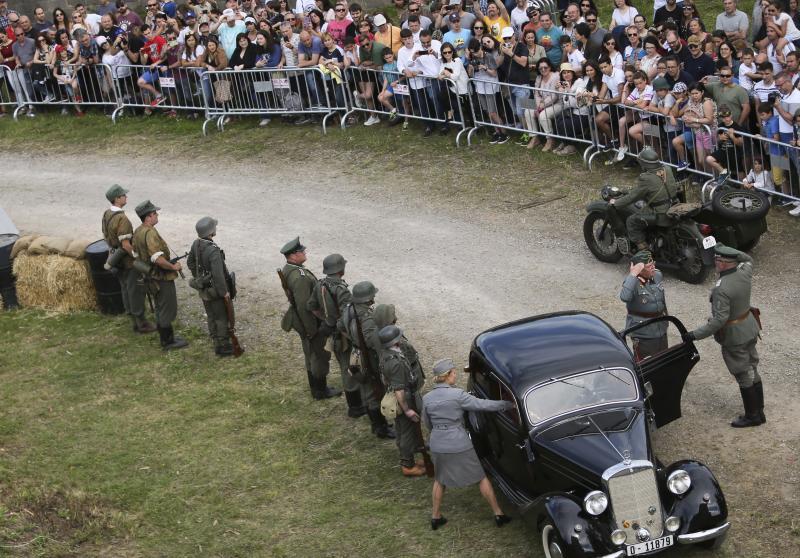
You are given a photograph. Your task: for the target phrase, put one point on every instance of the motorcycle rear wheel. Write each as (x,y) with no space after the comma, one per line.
(691,267)
(604,249)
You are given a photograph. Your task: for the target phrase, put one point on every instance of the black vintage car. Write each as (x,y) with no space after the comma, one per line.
(575,454)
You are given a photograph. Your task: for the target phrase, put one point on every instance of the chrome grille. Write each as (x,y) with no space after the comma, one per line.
(633,494)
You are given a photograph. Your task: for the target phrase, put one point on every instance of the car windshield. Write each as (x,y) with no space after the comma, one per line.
(564,395)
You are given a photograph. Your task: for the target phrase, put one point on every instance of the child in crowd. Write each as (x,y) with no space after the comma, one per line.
(574,56)
(769,129)
(748,73)
(390,79)
(66,77)
(759,177)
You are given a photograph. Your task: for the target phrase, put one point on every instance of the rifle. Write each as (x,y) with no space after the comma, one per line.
(377,382)
(175,260)
(292,303)
(237,348)
(422,448)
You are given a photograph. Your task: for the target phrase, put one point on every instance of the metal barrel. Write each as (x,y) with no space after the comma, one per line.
(106,284)
(8,282)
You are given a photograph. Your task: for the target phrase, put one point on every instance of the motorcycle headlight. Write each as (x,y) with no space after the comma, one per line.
(595,502)
(618,537)
(679,482)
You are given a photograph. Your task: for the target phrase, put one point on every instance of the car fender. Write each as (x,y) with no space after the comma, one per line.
(703,506)
(565,512)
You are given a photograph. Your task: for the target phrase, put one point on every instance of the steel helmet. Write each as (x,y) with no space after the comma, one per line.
(648,159)
(333,264)
(364,292)
(389,335)
(206,227)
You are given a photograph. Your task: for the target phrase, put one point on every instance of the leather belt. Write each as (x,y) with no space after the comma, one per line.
(740,319)
(647,314)
(447,426)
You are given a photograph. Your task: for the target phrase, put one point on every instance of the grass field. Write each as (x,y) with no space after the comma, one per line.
(108,447)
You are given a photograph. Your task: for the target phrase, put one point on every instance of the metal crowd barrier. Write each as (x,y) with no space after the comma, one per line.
(157,88)
(289,91)
(512,107)
(80,85)
(8,100)
(428,99)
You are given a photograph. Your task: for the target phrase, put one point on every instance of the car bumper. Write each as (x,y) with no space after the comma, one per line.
(617,554)
(700,536)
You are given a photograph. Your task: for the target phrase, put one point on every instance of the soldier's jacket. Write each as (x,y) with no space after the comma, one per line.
(384,315)
(730,300)
(148,246)
(330,297)
(301,283)
(116,228)
(207,263)
(368,327)
(398,374)
(657,193)
(644,301)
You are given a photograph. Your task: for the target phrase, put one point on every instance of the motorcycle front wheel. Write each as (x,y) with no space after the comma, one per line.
(601,240)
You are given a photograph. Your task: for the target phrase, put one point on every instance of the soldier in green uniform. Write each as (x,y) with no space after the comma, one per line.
(385,315)
(153,253)
(735,327)
(643,294)
(404,384)
(210,278)
(656,187)
(330,297)
(118,232)
(369,353)
(300,283)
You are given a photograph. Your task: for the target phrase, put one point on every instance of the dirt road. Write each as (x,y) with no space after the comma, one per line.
(453,271)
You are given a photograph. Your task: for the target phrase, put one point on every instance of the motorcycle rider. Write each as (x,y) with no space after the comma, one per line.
(656,187)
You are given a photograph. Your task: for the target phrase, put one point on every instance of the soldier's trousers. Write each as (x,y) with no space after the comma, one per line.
(645,347)
(742,363)
(406,433)
(368,398)
(132,291)
(316,357)
(166,303)
(342,352)
(217,318)
(637,225)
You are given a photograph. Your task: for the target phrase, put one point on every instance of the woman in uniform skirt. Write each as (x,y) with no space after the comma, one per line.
(454,459)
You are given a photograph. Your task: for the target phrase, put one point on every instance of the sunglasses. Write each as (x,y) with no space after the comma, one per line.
(339,10)
(633,35)
(447,52)
(479,28)
(413,11)
(694,46)
(611,42)
(725,75)
(591,20)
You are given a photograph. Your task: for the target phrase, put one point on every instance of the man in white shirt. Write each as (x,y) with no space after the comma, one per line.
(519,16)
(422,64)
(609,97)
(786,106)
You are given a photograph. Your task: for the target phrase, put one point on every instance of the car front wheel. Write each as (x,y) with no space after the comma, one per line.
(552,543)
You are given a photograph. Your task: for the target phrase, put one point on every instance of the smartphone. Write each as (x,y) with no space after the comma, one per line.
(422,52)
(172,44)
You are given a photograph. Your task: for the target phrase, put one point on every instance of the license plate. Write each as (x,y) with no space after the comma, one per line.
(649,546)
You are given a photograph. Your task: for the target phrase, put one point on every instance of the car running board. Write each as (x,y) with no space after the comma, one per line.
(513,495)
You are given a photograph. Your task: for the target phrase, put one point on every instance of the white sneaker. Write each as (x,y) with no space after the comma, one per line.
(264,122)
(357,99)
(796,211)
(64,111)
(372,120)
(621,153)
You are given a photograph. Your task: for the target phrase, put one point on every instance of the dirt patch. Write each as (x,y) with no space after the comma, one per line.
(456,261)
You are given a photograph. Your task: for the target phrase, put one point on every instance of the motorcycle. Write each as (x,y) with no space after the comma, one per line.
(675,240)
(736,217)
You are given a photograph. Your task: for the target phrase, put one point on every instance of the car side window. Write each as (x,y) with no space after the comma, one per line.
(492,388)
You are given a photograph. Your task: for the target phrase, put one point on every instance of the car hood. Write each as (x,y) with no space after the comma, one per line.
(591,443)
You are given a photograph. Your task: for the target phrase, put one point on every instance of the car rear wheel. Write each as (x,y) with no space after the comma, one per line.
(552,543)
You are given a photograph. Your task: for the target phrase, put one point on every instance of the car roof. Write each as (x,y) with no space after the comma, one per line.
(529,351)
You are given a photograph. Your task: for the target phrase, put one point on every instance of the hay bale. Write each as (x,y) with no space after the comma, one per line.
(22,244)
(54,282)
(76,249)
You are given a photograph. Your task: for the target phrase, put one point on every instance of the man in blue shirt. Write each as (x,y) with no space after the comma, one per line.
(457,36)
(308,52)
(548,35)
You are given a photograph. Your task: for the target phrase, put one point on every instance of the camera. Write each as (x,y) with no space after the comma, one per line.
(474,62)
(773,97)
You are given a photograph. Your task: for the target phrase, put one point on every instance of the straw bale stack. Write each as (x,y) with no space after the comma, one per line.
(52,280)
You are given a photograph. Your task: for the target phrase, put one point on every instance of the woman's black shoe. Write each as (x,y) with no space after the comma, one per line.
(438,522)
(501,520)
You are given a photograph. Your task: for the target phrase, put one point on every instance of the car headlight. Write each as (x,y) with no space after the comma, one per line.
(595,502)
(672,524)
(679,482)
(618,537)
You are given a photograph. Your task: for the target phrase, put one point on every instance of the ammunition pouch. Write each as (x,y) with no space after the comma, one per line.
(115,258)
(389,406)
(143,267)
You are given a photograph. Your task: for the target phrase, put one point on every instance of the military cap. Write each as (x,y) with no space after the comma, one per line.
(389,336)
(648,159)
(292,246)
(642,256)
(145,208)
(114,192)
(364,292)
(443,367)
(206,226)
(333,264)
(725,252)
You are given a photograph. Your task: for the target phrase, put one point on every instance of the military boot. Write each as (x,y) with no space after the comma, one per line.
(322,390)
(380,427)
(760,393)
(141,325)
(170,341)
(413,471)
(354,407)
(751,414)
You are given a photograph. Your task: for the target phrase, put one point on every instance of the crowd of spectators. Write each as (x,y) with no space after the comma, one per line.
(697,94)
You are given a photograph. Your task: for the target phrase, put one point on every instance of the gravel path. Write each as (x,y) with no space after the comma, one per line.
(451,271)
